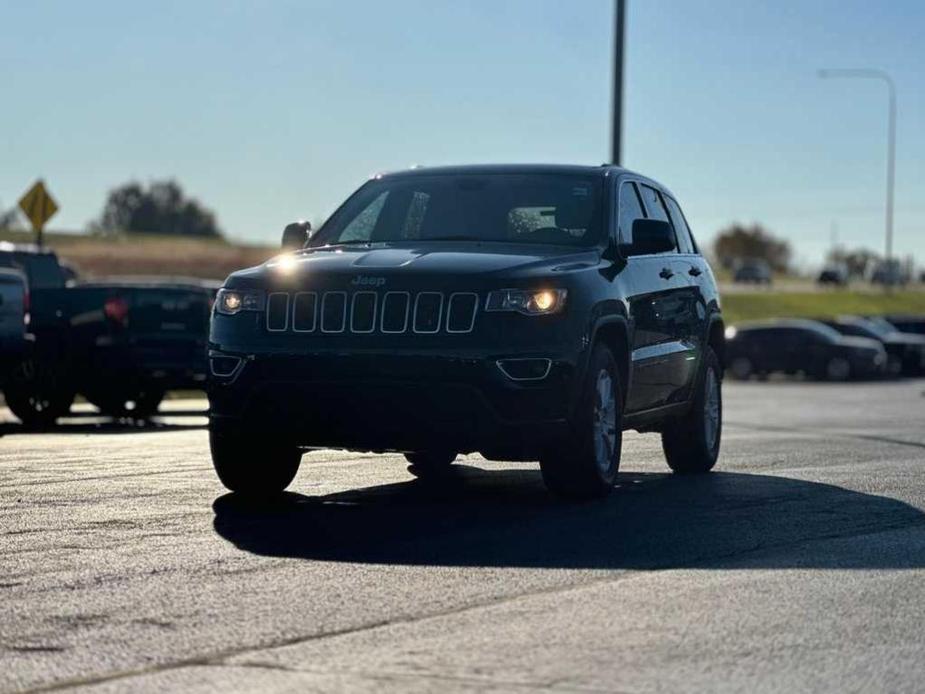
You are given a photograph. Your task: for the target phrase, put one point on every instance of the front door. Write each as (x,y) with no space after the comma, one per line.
(661,307)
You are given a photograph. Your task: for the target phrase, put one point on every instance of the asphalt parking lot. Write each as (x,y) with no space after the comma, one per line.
(797,565)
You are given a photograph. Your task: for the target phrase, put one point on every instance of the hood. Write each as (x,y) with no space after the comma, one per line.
(375,262)
(899,338)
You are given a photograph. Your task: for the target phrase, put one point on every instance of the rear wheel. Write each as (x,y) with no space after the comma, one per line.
(430,463)
(741,368)
(691,443)
(837,369)
(252,468)
(585,463)
(38,393)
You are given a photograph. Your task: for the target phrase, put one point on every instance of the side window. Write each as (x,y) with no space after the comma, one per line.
(655,207)
(804,339)
(681,230)
(630,211)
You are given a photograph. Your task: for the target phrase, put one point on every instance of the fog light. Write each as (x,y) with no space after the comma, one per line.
(525,369)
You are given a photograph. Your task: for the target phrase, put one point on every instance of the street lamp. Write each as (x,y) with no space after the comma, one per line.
(616,132)
(866,73)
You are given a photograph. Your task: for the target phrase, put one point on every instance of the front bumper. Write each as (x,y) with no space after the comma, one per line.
(395,401)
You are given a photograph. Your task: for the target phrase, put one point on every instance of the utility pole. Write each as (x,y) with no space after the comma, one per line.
(868,73)
(619,34)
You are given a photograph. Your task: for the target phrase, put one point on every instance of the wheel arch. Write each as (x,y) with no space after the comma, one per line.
(613,331)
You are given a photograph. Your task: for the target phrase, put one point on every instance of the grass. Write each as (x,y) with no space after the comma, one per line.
(138,254)
(819,304)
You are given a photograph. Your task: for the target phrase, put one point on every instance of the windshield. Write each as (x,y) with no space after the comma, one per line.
(555,209)
(879,326)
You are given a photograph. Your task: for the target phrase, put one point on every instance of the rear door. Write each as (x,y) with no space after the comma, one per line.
(701,289)
(663,356)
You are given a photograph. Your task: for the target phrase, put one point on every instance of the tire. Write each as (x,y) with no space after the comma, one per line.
(691,444)
(38,394)
(741,368)
(427,464)
(837,369)
(896,367)
(145,403)
(584,464)
(250,468)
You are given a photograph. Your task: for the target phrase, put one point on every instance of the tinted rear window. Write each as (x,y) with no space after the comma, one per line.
(41,269)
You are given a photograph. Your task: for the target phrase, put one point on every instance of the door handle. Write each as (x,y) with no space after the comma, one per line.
(694,272)
(666,273)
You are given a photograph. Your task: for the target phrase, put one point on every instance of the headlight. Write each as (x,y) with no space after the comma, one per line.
(232,301)
(535,302)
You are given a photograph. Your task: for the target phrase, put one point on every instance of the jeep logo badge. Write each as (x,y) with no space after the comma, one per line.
(367,281)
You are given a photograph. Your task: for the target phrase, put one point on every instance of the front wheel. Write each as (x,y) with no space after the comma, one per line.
(691,443)
(585,463)
(251,468)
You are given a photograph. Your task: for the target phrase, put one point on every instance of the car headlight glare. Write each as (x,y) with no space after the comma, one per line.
(232,301)
(530,302)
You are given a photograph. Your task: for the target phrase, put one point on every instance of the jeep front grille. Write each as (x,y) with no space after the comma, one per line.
(364,312)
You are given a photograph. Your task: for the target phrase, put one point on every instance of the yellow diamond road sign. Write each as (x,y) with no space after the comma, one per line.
(38,205)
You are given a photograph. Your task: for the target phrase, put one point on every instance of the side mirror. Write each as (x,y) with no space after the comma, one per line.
(296,235)
(651,236)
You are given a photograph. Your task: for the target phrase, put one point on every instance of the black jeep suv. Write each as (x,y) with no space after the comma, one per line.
(523,312)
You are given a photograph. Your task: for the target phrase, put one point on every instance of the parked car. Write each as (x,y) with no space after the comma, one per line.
(14,316)
(905,352)
(753,272)
(890,274)
(796,346)
(524,312)
(833,275)
(120,343)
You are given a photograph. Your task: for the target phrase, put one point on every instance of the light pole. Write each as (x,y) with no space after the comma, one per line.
(867,73)
(619,31)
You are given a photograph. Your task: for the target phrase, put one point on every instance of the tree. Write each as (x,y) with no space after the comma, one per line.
(738,242)
(161,208)
(9,219)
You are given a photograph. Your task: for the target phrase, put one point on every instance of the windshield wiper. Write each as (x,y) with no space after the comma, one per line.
(347,242)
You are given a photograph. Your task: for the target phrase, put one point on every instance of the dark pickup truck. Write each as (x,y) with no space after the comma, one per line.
(121,343)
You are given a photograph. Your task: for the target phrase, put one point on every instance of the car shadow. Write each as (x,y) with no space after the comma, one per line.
(478,517)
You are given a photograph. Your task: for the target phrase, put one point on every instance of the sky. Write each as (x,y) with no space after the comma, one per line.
(271,111)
